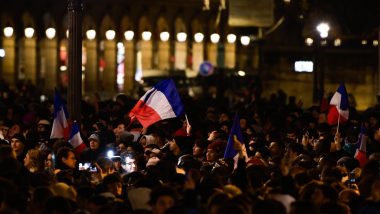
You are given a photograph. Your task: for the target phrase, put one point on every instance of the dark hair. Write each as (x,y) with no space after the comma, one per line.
(62,153)
(162,191)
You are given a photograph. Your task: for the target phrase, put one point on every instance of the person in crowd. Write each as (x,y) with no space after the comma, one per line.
(95,150)
(18,144)
(65,160)
(33,161)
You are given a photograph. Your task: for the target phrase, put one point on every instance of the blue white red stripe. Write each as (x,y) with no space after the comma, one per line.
(75,139)
(159,103)
(338,106)
(61,124)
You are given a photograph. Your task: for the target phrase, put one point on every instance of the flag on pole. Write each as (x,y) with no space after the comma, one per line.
(361,150)
(338,111)
(230,152)
(61,125)
(76,140)
(159,103)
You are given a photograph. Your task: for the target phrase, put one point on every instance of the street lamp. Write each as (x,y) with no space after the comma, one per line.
(323,29)
(318,80)
(181,36)
(8,32)
(50,33)
(164,36)
(231,38)
(29,32)
(110,35)
(129,35)
(91,34)
(198,37)
(146,35)
(214,38)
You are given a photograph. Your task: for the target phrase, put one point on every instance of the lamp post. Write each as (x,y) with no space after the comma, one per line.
(74,92)
(318,78)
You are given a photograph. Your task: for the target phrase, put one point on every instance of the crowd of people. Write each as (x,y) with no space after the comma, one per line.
(289,159)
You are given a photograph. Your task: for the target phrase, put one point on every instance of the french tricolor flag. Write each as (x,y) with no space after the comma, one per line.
(361,151)
(159,103)
(61,124)
(76,140)
(338,111)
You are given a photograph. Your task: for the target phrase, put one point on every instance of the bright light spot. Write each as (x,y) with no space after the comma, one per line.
(63,68)
(181,36)
(110,35)
(129,35)
(110,154)
(50,33)
(337,42)
(8,32)
(198,37)
(43,98)
(323,29)
(245,40)
(364,42)
(375,42)
(309,41)
(91,34)
(214,38)
(303,66)
(120,45)
(146,35)
(2,53)
(164,36)
(29,32)
(231,38)
(241,73)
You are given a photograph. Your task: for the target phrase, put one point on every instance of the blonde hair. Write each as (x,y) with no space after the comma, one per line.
(36,162)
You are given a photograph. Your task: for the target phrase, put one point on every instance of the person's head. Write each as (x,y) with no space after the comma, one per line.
(66,158)
(161,199)
(129,162)
(18,143)
(33,160)
(199,149)
(43,126)
(94,141)
(215,151)
(112,183)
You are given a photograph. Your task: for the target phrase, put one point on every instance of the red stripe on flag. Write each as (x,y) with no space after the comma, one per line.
(361,157)
(79,149)
(144,114)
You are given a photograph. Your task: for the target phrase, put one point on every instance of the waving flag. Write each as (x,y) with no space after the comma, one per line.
(61,124)
(76,140)
(230,152)
(338,111)
(361,151)
(159,103)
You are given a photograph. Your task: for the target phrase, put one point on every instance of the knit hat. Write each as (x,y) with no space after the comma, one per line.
(19,137)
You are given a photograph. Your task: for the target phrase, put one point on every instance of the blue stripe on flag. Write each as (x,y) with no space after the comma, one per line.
(235,130)
(167,87)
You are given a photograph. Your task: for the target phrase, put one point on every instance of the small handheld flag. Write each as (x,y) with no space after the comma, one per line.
(338,111)
(159,103)
(76,140)
(61,124)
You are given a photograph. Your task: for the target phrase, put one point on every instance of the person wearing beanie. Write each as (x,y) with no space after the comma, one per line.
(91,154)
(18,145)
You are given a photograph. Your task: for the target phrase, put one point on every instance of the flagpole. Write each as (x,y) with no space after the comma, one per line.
(337,127)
